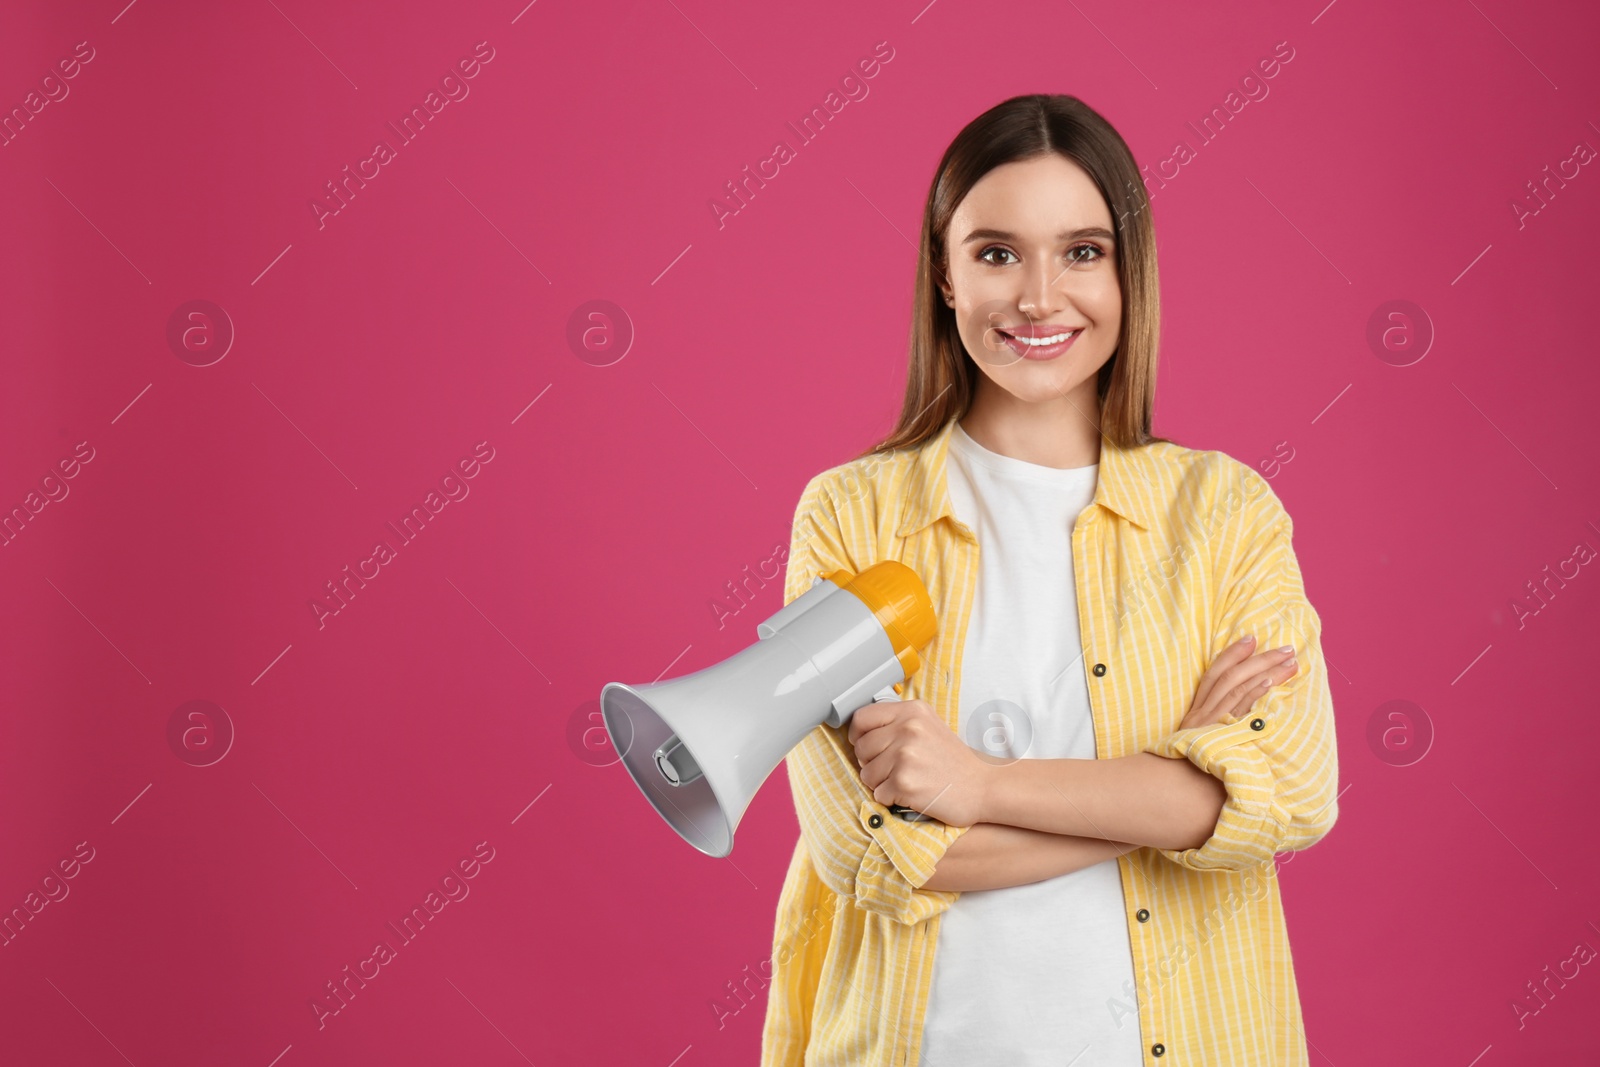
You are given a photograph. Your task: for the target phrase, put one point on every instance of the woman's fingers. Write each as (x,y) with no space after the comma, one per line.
(1247,692)
(1229,657)
(871,743)
(1214,694)
(1233,683)
(1250,675)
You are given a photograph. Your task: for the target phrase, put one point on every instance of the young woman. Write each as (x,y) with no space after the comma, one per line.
(1125,714)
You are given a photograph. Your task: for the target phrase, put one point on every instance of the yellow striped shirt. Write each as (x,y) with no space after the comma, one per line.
(1181,552)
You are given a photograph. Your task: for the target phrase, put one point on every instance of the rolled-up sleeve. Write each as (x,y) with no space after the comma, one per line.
(858,847)
(1279,762)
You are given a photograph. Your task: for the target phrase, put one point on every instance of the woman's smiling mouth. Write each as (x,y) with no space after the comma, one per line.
(1039,342)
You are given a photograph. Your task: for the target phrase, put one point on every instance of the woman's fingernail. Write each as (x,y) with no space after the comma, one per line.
(1286,649)
(1248,639)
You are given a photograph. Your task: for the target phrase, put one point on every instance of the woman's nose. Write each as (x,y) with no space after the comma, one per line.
(1042,293)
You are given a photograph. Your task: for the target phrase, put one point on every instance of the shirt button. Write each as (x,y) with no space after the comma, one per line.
(875,820)
(1158,1049)
(1143,915)
(1099,669)
(1257,724)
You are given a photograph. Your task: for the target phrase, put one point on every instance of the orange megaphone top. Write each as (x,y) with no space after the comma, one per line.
(899,601)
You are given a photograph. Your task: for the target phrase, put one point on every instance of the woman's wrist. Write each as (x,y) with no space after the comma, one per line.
(991,784)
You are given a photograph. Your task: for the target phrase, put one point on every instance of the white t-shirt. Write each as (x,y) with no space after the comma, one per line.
(1037,974)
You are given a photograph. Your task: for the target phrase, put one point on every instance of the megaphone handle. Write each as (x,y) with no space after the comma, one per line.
(908,814)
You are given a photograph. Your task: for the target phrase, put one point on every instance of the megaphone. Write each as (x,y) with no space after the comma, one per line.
(700,746)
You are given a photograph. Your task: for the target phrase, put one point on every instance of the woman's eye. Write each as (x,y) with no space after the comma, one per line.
(1075,254)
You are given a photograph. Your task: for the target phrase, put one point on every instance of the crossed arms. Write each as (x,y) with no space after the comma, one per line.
(1222,796)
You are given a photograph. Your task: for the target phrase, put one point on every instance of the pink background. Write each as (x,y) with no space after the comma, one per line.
(374,751)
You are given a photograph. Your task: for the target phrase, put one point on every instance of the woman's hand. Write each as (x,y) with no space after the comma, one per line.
(1236,680)
(909,756)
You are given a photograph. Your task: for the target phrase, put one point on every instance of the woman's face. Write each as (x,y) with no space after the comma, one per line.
(1031,257)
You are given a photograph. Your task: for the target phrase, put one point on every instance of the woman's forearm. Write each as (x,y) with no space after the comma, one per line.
(1144,798)
(993,856)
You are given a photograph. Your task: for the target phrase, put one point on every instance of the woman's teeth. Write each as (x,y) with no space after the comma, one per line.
(1040,342)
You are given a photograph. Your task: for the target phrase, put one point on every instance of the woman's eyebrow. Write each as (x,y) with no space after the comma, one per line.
(1064,235)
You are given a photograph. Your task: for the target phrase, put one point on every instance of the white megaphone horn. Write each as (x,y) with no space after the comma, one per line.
(700,746)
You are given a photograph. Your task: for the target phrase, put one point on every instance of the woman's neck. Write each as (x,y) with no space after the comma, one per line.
(1061,432)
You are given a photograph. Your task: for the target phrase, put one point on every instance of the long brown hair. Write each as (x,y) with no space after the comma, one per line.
(942,379)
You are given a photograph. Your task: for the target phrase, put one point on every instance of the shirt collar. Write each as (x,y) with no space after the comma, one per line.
(1121,483)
